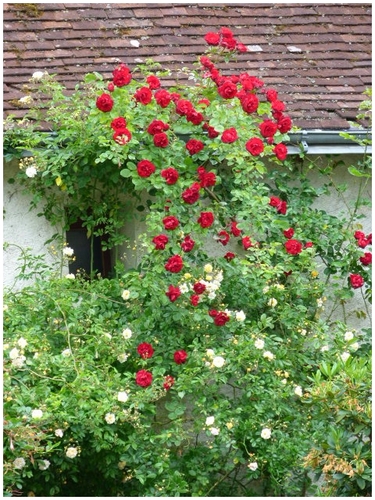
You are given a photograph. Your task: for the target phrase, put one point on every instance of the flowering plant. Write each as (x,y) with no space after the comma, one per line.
(132,372)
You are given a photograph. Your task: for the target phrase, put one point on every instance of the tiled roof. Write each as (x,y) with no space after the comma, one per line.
(318,56)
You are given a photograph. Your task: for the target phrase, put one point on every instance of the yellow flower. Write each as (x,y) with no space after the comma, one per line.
(314,274)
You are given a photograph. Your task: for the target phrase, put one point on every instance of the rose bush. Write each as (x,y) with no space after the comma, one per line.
(194,374)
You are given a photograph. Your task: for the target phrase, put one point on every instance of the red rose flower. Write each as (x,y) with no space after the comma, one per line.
(194,117)
(280,151)
(293,247)
(160,241)
(211,132)
(268,128)
(170,222)
(163,98)
(143,95)
(194,146)
(366,259)
(206,219)
(234,229)
(229,256)
(212,313)
(194,300)
(161,140)
(173,293)
(221,318)
(241,47)
(153,82)
(204,102)
(183,107)
(121,75)
(363,242)
(227,90)
(279,204)
(206,62)
(277,106)
(117,123)
(255,146)
(212,38)
(249,103)
(226,32)
(104,103)
(359,235)
(110,87)
(191,194)
(188,244)
(199,287)
(145,168)
(157,126)
(170,174)
(206,179)
(284,124)
(230,135)
(289,233)
(271,95)
(174,264)
(168,382)
(143,378)
(229,43)
(180,357)
(122,136)
(145,350)
(356,280)
(246,242)
(309,244)
(223,237)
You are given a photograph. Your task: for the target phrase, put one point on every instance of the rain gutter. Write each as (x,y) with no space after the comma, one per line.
(329,142)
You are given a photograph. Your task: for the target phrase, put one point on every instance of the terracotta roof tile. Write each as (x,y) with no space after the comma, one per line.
(317,56)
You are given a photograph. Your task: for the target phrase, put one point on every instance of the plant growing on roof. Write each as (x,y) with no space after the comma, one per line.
(190,374)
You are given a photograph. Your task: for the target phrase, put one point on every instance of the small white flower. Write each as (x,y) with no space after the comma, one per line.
(210,421)
(22,342)
(19,463)
(68,252)
(18,362)
(134,43)
(66,353)
(266,289)
(253,466)
(208,268)
(14,353)
(5,307)
(121,465)
(108,335)
(59,433)
(71,452)
(272,302)
(268,355)
(345,356)
(27,99)
(240,316)
(303,332)
(37,75)
(70,276)
(125,294)
(298,390)
(37,414)
(212,295)
(218,361)
(284,381)
(348,336)
(266,433)
(31,172)
(127,333)
(110,418)
(122,396)
(36,355)
(354,346)
(319,302)
(325,348)
(44,465)
(184,288)
(259,343)
(122,357)
(210,353)
(214,431)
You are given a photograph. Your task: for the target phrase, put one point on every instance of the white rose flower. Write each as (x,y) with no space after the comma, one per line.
(19,463)
(214,431)
(127,333)
(68,252)
(110,418)
(18,362)
(31,172)
(44,465)
(14,353)
(284,381)
(66,353)
(325,348)
(37,75)
(122,357)
(218,361)
(210,353)
(272,302)
(266,433)
(208,268)
(37,414)
(70,276)
(298,390)
(184,288)
(259,343)
(354,346)
(71,452)
(266,289)
(125,294)
(122,396)
(268,355)
(303,332)
(59,433)
(240,316)
(22,342)
(348,336)
(253,466)
(210,421)
(345,356)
